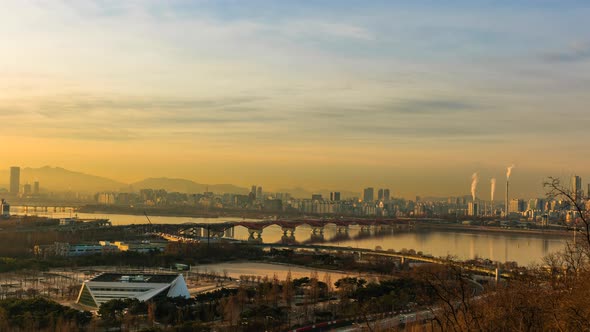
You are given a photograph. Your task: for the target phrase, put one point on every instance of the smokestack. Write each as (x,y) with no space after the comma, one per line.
(506,207)
(493,190)
(474,181)
(508,172)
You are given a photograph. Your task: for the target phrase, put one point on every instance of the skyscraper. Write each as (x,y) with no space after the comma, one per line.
(386,196)
(14,180)
(259,194)
(380,195)
(36,188)
(369,194)
(577,188)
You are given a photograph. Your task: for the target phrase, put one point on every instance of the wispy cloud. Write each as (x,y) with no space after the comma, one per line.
(440,107)
(575,53)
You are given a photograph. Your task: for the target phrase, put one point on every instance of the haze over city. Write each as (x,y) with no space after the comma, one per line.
(414,96)
(289,165)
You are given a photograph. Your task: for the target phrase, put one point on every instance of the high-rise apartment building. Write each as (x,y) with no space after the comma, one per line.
(516,205)
(337,196)
(14,180)
(369,194)
(27,189)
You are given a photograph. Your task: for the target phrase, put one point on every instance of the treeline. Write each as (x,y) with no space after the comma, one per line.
(195,254)
(39,314)
(190,254)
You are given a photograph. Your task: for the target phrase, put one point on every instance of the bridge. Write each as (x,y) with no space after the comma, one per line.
(43,208)
(403,257)
(360,252)
(288,227)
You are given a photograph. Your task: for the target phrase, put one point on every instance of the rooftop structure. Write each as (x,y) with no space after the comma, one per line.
(144,287)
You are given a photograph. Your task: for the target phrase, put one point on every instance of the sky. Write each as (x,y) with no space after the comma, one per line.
(411,95)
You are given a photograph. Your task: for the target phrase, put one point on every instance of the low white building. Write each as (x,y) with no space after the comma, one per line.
(109,286)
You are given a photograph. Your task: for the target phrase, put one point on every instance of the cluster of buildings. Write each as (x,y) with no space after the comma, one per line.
(65,249)
(371,203)
(15,188)
(539,210)
(256,199)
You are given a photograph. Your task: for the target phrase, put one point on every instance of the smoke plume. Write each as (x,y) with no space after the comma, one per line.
(474,181)
(493,183)
(509,171)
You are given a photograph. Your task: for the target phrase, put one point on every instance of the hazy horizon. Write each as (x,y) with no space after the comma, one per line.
(519,188)
(410,96)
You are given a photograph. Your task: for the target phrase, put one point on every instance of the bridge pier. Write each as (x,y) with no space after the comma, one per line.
(317,237)
(317,230)
(288,239)
(255,235)
(342,229)
(365,230)
(288,231)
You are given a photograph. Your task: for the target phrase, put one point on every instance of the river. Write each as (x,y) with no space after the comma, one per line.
(524,249)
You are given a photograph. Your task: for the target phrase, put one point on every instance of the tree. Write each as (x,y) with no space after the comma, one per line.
(556,190)
(288,289)
(112,311)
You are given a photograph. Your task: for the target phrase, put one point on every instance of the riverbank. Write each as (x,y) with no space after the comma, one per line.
(491,229)
(270,269)
(178,211)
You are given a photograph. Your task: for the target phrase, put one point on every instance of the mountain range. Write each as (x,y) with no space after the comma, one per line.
(57,179)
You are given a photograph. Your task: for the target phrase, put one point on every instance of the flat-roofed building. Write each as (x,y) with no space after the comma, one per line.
(143,287)
(138,246)
(66,249)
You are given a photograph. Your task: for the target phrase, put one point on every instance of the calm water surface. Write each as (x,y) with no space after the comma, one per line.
(523,249)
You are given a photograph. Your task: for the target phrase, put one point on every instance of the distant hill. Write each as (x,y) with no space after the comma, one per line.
(60,179)
(186,186)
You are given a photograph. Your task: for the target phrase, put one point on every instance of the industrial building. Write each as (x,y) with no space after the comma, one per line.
(144,287)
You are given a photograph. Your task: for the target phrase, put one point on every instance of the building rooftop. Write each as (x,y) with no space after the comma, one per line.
(136,278)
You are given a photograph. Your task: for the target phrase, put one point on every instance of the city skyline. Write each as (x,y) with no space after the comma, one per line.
(58,175)
(415,97)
